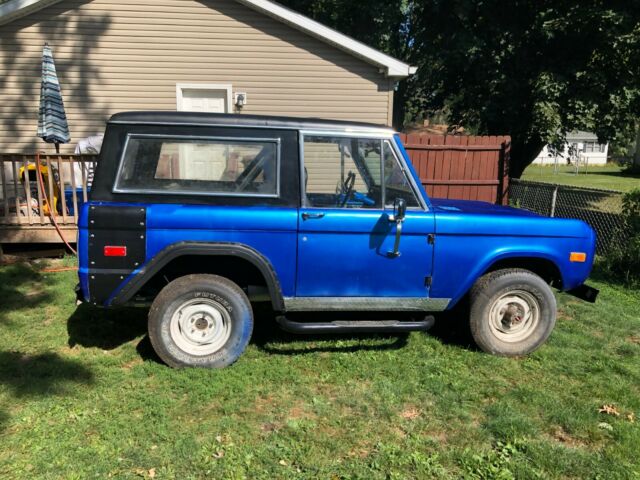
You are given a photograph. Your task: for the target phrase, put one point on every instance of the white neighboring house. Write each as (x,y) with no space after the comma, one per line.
(582,146)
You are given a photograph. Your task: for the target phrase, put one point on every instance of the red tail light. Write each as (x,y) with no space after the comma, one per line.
(111,251)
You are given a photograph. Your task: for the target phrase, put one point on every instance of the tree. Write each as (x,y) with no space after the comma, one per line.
(377,23)
(636,153)
(532,69)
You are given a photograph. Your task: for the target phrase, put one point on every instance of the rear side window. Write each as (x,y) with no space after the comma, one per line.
(202,166)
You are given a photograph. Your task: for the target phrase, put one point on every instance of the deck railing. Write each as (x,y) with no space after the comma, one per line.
(65,178)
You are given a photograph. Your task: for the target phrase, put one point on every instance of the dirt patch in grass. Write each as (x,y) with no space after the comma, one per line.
(263,404)
(563,316)
(359,452)
(132,363)
(438,436)
(560,435)
(410,412)
(299,411)
(635,339)
(69,351)
(398,432)
(296,413)
(270,427)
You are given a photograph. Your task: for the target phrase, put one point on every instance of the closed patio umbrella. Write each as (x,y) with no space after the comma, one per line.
(52,120)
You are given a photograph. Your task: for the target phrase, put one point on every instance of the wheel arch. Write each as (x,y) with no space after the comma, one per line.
(542,264)
(180,250)
(544,267)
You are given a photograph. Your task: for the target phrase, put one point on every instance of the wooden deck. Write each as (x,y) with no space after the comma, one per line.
(26,210)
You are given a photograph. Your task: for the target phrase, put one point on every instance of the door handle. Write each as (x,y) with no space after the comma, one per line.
(396,244)
(307,216)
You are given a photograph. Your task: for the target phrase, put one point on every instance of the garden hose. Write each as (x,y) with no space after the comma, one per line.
(46,199)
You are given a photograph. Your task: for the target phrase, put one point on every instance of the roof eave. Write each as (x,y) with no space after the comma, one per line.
(391,67)
(14,9)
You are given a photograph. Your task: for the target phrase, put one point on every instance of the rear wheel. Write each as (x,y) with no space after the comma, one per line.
(513,312)
(200,321)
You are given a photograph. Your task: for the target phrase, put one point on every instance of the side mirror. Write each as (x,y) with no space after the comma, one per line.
(399,210)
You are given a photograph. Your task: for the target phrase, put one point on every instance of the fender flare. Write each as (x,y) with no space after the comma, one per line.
(491,260)
(180,249)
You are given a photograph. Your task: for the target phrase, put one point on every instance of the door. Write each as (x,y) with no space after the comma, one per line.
(346,232)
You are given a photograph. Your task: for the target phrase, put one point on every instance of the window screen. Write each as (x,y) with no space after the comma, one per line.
(199,166)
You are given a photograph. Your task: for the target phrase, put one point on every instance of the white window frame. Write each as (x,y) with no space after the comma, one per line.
(180,87)
(142,190)
(383,136)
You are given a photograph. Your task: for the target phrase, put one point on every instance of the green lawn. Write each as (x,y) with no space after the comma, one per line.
(609,177)
(83,396)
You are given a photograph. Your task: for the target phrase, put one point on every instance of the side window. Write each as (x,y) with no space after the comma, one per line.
(342,172)
(199,166)
(396,183)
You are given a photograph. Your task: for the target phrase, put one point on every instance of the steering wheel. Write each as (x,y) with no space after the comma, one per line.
(347,188)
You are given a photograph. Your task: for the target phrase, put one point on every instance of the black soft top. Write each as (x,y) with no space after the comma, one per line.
(226,119)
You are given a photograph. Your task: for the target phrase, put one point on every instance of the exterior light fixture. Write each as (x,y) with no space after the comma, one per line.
(240,100)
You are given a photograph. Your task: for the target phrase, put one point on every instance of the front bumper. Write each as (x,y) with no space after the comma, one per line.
(585,292)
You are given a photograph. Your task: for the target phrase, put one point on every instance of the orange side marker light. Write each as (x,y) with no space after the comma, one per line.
(578,257)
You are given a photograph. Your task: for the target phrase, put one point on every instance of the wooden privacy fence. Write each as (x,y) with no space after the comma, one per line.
(26,210)
(462,167)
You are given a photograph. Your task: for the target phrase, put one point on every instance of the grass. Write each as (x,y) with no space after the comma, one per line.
(82,395)
(609,177)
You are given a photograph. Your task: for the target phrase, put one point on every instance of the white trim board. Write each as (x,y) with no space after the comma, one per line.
(391,67)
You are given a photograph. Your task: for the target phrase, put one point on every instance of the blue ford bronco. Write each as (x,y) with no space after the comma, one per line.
(202,215)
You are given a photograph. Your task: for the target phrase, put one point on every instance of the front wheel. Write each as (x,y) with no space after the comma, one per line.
(513,312)
(200,321)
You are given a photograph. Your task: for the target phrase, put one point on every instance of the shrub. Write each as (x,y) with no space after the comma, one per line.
(623,262)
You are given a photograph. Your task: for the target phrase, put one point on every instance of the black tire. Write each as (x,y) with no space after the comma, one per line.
(510,334)
(216,295)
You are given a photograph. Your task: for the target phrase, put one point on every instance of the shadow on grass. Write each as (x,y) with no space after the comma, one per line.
(108,329)
(41,375)
(620,174)
(270,338)
(452,327)
(105,328)
(15,297)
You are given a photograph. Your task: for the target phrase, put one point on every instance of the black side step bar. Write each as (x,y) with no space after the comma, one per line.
(355,326)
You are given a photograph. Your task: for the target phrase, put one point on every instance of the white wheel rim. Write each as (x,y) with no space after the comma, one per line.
(514,316)
(200,327)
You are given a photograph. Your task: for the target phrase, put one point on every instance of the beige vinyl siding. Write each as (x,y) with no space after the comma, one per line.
(114,56)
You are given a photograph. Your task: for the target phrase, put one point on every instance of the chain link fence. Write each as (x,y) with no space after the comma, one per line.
(599,208)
